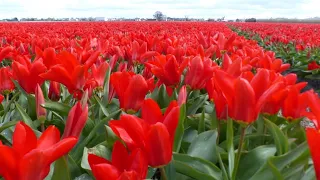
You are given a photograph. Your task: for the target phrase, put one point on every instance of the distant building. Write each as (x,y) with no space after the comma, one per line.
(99,19)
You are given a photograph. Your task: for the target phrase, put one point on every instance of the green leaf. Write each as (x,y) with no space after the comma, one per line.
(198,103)
(31,109)
(99,150)
(79,150)
(7,125)
(180,129)
(230,147)
(280,139)
(163,97)
(170,170)
(309,174)
(105,99)
(252,161)
(196,168)
(84,177)
(61,170)
(84,160)
(204,146)
(111,136)
(25,118)
(61,108)
(280,162)
(19,87)
(201,127)
(102,107)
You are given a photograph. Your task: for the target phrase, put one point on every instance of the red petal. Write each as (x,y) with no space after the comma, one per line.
(48,138)
(105,171)
(120,156)
(313,136)
(60,149)
(138,162)
(151,112)
(24,139)
(159,146)
(244,103)
(135,93)
(8,162)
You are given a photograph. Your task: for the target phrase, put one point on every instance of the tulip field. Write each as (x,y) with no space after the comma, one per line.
(159,100)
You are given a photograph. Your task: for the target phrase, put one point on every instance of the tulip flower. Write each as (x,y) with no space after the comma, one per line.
(41,112)
(199,72)
(313,65)
(216,96)
(54,91)
(167,69)
(97,76)
(130,88)
(29,157)
(182,97)
(68,72)
(5,51)
(76,120)
(122,165)
(28,76)
(6,84)
(244,99)
(294,104)
(154,133)
(313,134)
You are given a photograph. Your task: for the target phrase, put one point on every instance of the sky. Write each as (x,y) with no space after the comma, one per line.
(231,9)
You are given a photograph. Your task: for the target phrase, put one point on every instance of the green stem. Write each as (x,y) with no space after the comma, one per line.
(163,173)
(234,174)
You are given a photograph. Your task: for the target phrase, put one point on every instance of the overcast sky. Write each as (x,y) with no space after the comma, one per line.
(231,9)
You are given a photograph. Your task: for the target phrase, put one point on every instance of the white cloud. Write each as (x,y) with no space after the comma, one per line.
(231,9)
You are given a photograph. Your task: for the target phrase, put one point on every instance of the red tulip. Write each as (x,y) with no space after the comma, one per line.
(41,112)
(6,84)
(76,120)
(28,76)
(167,69)
(313,65)
(199,72)
(68,72)
(154,134)
(54,91)
(130,88)
(182,97)
(29,157)
(313,136)
(123,165)
(49,57)
(216,96)
(5,51)
(245,100)
(97,76)
(294,104)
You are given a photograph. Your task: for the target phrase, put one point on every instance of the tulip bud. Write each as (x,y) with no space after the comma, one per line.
(54,91)
(77,118)
(182,98)
(41,112)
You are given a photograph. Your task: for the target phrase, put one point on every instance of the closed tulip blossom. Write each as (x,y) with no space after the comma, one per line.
(199,72)
(130,88)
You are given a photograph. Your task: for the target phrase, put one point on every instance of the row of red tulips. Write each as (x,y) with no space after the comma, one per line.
(172,91)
